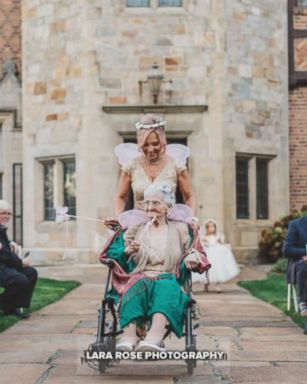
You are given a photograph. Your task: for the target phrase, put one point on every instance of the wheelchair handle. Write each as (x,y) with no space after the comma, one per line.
(108,262)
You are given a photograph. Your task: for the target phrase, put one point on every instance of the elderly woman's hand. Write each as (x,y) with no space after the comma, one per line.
(133,247)
(192,260)
(111,223)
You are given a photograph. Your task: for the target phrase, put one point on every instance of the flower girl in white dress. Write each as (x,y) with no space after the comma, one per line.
(223,263)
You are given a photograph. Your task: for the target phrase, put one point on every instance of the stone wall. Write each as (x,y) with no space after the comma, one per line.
(55,105)
(10,94)
(79,56)
(256,110)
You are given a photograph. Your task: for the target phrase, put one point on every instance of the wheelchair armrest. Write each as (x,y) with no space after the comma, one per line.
(108,262)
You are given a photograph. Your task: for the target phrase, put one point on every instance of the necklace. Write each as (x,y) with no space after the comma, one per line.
(154,162)
(153,169)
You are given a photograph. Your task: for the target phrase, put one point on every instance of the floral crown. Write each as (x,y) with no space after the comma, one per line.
(140,125)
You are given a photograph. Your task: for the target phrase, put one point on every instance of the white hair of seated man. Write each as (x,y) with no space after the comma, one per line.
(5,206)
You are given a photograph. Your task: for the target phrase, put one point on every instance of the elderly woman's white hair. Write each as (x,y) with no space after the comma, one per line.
(4,205)
(162,189)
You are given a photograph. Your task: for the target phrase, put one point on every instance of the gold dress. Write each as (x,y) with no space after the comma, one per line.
(140,180)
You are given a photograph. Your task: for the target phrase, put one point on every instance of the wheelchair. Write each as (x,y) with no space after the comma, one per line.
(108,328)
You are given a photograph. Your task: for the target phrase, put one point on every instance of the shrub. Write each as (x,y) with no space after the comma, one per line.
(281,265)
(271,242)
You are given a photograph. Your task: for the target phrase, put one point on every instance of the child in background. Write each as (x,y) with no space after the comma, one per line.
(223,263)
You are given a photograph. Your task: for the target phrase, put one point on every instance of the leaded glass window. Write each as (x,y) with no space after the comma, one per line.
(69,185)
(49,212)
(138,3)
(170,3)
(262,185)
(59,185)
(242,192)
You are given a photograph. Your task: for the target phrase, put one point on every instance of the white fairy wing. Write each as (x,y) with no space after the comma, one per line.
(180,212)
(126,152)
(132,218)
(179,152)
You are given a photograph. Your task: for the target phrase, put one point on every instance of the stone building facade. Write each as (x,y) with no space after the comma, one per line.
(10,109)
(228,100)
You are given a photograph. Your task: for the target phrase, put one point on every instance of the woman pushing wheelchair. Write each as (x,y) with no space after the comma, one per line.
(152,257)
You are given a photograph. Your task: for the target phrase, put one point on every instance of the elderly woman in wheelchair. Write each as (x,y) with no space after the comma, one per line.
(152,263)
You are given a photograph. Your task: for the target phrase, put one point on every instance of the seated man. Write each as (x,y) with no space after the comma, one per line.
(160,250)
(16,276)
(295,249)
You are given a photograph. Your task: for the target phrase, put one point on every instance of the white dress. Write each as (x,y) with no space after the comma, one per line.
(223,263)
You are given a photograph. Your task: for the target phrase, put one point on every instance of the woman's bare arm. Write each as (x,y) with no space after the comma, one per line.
(185,187)
(122,193)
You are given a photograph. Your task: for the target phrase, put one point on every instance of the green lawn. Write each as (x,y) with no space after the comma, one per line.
(273,290)
(47,291)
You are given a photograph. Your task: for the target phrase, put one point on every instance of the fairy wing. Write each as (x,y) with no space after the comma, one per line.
(180,212)
(132,218)
(126,152)
(179,152)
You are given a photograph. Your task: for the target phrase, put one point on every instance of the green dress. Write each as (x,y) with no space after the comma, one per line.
(161,294)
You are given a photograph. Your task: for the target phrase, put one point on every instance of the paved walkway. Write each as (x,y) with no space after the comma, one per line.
(262,344)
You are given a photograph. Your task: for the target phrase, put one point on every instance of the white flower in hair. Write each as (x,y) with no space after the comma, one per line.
(150,121)
(165,188)
(140,125)
(167,192)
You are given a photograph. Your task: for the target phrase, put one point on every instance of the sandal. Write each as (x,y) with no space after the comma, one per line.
(125,346)
(151,345)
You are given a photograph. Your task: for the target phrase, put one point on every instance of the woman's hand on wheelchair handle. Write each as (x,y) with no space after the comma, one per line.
(191,265)
(192,260)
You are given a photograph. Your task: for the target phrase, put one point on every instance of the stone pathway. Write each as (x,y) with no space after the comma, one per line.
(263,345)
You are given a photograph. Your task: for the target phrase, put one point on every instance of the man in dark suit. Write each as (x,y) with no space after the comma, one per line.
(295,248)
(16,275)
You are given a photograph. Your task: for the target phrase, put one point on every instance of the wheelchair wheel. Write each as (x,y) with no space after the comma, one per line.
(105,342)
(190,338)
(194,348)
(108,345)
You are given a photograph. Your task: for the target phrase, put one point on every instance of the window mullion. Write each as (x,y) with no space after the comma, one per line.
(60,183)
(252,188)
